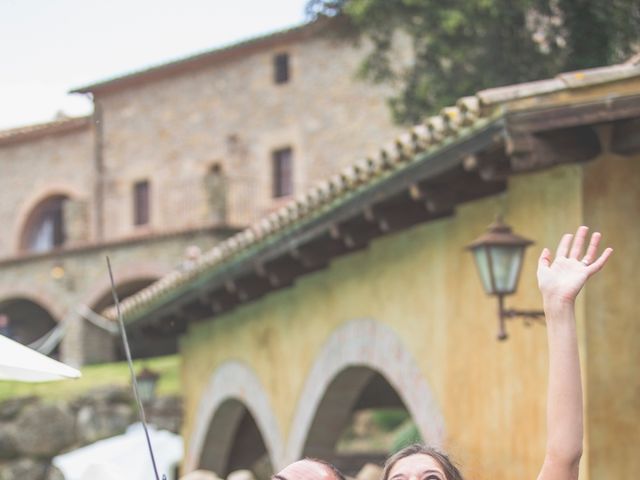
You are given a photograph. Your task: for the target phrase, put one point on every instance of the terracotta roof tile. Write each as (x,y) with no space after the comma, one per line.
(563,81)
(492,96)
(594,76)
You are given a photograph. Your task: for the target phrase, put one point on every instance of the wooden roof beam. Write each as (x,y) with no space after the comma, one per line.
(533,151)
(309,256)
(625,137)
(280,275)
(436,199)
(409,213)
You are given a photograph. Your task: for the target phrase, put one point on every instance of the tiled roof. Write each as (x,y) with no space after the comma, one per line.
(29,132)
(563,81)
(453,123)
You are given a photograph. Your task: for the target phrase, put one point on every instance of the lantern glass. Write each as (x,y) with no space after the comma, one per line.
(147,381)
(146,389)
(481,255)
(498,255)
(506,262)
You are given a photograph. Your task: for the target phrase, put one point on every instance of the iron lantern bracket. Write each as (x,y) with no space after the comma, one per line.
(528,316)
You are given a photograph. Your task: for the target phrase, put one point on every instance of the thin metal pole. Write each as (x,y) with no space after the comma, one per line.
(134,382)
(502,331)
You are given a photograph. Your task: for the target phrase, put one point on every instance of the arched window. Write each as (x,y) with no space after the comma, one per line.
(44,229)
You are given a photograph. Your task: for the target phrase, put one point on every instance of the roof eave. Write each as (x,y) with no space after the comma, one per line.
(31,132)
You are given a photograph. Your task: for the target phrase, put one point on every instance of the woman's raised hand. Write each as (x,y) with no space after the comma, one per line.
(561,279)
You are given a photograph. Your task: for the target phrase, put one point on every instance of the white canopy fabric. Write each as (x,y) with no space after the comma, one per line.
(23,364)
(123,457)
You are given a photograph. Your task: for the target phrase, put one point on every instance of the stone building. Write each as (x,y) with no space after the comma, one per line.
(173,159)
(360,294)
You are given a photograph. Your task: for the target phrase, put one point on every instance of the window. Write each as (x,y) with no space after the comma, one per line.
(45,227)
(141,203)
(281,68)
(282,172)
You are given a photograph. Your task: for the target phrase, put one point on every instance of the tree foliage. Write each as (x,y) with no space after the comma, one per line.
(461,46)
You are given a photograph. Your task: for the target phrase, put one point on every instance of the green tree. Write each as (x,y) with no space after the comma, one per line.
(461,46)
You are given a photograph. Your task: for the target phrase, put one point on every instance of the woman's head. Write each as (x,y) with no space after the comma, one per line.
(420,462)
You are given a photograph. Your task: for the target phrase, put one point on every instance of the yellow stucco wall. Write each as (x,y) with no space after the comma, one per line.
(424,286)
(612,203)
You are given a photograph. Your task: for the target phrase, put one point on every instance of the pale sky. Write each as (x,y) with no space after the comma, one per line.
(48,47)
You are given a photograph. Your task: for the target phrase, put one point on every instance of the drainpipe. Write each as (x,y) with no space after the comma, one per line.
(98,163)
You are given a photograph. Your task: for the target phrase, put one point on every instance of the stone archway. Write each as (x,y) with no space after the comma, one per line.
(233,407)
(101,346)
(35,294)
(85,342)
(25,320)
(355,355)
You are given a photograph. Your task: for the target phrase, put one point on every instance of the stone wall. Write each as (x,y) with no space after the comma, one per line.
(32,432)
(85,282)
(36,169)
(226,117)
(172,130)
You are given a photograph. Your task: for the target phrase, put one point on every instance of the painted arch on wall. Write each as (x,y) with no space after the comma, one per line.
(233,388)
(354,352)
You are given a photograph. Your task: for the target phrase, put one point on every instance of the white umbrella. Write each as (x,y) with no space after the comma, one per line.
(123,457)
(20,363)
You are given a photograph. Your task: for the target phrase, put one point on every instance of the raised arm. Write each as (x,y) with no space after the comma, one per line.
(560,280)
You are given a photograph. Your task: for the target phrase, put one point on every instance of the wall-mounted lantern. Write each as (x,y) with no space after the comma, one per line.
(147,380)
(498,255)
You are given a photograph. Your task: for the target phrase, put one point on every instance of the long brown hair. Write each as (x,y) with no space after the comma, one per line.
(450,470)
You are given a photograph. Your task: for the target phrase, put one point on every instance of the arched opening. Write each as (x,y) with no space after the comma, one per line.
(232,389)
(233,442)
(102,346)
(44,228)
(25,321)
(354,362)
(360,419)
